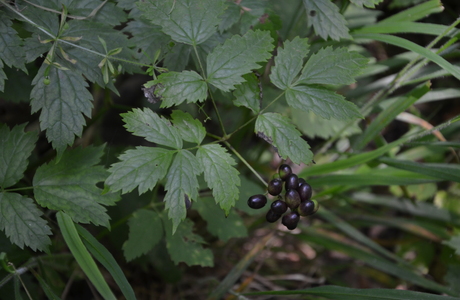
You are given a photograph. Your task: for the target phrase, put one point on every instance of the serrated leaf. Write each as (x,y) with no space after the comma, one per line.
(152,127)
(220,174)
(186,21)
(70,185)
(175,88)
(62,103)
(323,102)
(176,59)
(332,66)
(231,15)
(181,180)
(224,227)
(190,129)
(366,3)
(21,221)
(248,93)
(185,246)
(15,148)
(326,19)
(237,56)
(13,54)
(142,167)
(280,132)
(145,231)
(288,62)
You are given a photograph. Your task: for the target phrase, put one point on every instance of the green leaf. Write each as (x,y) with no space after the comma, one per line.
(237,56)
(326,19)
(332,66)
(15,148)
(231,15)
(417,12)
(185,246)
(145,231)
(288,62)
(323,102)
(21,221)
(248,93)
(175,88)
(366,3)
(152,127)
(186,21)
(177,57)
(220,175)
(454,243)
(278,131)
(62,103)
(190,129)
(181,180)
(70,185)
(142,167)
(46,288)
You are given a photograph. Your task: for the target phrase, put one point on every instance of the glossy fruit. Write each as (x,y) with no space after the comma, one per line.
(284,171)
(292,199)
(271,216)
(187,201)
(305,191)
(279,207)
(301,180)
(292,182)
(275,187)
(257,201)
(290,220)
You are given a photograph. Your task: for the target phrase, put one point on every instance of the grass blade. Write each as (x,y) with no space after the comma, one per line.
(406,27)
(417,12)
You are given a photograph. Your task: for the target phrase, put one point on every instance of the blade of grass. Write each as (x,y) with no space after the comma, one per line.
(417,12)
(406,27)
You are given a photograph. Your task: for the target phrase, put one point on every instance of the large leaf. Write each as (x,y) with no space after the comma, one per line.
(70,185)
(186,21)
(237,56)
(15,148)
(278,131)
(21,221)
(220,175)
(190,129)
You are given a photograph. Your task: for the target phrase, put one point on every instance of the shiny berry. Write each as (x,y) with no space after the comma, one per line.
(187,201)
(305,191)
(279,207)
(257,201)
(292,182)
(284,171)
(307,208)
(292,199)
(290,220)
(301,180)
(275,187)
(271,216)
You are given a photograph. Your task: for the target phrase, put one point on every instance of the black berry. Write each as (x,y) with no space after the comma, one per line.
(284,171)
(292,182)
(305,191)
(279,207)
(271,216)
(301,180)
(292,199)
(257,201)
(290,220)
(275,187)
(187,201)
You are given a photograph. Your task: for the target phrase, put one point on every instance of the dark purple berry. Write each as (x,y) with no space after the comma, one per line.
(290,220)
(307,208)
(284,171)
(187,201)
(257,201)
(301,180)
(271,216)
(279,207)
(275,187)
(305,191)
(292,182)
(292,199)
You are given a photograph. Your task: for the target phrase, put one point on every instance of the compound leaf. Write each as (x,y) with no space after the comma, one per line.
(141,167)
(186,21)
(288,62)
(332,66)
(248,93)
(323,102)
(70,185)
(21,221)
(145,231)
(175,88)
(152,127)
(278,131)
(326,19)
(220,175)
(15,148)
(181,180)
(185,246)
(190,129)
(237,56)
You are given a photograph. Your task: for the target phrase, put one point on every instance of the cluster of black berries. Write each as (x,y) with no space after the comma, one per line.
(297,197)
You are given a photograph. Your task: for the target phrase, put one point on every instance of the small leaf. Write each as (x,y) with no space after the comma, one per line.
(185,246)
(454,243)
(186,21)
(181,180)
(175,88)
(321,101)
(288,62)
(141,167)
(237,56)
(15,148)
(248,93)
(190,129)
(231,16)
(332,66)
(21,221)
(13,54)
(152,127)
(145,231)
(285,137)
(326,19)
(220,175)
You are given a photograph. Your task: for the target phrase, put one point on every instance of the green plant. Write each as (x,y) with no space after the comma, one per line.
(231,87)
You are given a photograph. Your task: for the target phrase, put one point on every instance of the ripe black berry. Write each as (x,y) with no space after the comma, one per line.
(187,201)
(257,201)
(279,207)
(292,182)
(292,199)
(290,220)
(305,191)
(284,171)
(301,180)
(271,216)
(275,187)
